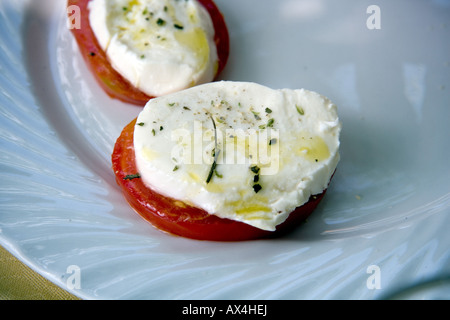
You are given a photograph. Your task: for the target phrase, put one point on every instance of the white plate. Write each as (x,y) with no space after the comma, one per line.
(382,226)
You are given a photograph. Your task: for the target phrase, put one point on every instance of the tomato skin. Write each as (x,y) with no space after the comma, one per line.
(109,79)
(178,218)
(113,83)
(221,37)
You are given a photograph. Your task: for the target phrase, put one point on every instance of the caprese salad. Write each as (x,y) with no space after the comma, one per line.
(228,160)
(140,49)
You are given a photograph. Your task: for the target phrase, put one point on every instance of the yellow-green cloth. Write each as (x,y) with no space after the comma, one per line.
(19,282)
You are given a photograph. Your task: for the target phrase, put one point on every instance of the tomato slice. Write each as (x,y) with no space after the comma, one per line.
(113,83)
(178,218)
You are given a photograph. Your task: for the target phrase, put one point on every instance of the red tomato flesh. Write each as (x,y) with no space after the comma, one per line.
(113,83)
(177,218)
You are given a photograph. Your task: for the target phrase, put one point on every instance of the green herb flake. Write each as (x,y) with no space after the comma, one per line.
(160,22)
(257,188)
(176,168)
(153,132)
(141,124)
(211,172)
(256,114)
(268,110)
(270,123)
(220,120)
(255,169)
(215,152)
(132,176)
(179,27)
(300,110)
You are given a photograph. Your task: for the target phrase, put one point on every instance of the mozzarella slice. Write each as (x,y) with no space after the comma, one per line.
(160,46)
(239,150)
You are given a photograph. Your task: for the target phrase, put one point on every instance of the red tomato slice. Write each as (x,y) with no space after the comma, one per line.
(178,218)
(109,79)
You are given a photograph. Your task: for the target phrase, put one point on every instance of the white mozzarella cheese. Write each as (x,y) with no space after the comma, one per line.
(239,150)
(160,46)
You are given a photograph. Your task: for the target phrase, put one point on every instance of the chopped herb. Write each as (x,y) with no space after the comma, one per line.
(143,56)
(186,108)
(216,154)
(92,54)
(145,11)
(161,128)
(220,120)
(256,185)
(141,124)
(179,27)
(165,8)
(268,110)
(213,169)
(257,188)
(255,169)
(171,104)
(256,114)
(160,22)
(132,176)
(153,132)
(300,110)
(176,168)
(218,175)
(270,122)
(124,8)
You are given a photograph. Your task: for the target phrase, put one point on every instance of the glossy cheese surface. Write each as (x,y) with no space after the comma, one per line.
(159,46)
(239,150)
